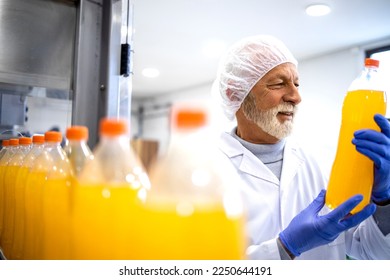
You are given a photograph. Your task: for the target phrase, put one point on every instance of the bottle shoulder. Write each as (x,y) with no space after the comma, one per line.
(368,79)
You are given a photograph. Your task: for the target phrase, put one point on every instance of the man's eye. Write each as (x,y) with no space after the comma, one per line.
(276,86)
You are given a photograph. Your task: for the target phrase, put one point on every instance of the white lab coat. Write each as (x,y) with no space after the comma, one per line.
(271,205)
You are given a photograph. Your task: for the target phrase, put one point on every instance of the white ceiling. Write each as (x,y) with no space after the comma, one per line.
(170,34)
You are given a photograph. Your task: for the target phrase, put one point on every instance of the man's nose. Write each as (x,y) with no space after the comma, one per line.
(293,95)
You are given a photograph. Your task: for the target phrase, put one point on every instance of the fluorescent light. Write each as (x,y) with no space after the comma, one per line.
(151,72)
(318,10)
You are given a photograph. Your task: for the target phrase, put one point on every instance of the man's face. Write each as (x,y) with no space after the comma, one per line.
(271,104)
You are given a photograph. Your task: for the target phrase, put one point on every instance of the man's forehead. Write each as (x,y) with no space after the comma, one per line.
(285,70)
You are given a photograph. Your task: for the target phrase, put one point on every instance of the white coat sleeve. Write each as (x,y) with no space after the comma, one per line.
(267,250)
(367,242)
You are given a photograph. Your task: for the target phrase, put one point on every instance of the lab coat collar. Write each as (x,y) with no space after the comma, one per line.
(244,160)
(292,162)
(248,163)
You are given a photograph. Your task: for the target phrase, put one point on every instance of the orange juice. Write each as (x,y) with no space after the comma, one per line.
(3,153)
(19,218)
(55,198)
(33,231)
(4,161)
(2,168)
(56,219)
(107,197)
(9,209)
(194,232)
(105,221)
(10,203)
(353,173)
(20,192)
(193,210)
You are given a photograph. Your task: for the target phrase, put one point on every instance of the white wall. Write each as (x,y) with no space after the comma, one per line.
(323,83)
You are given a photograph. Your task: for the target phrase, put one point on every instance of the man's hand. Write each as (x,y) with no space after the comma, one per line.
(308,230)
(376,146)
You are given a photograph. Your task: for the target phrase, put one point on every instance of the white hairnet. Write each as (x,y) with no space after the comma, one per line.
(244,64)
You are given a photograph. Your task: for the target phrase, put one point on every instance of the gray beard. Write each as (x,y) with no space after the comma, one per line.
(268,121)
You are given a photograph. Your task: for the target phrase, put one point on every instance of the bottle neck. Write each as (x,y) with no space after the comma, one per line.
(14,148)
(77,143)
(38,144)
(369,79)
(115,140)
(371,69)
(77,146)
(24,148)
(54,148)
(52,144)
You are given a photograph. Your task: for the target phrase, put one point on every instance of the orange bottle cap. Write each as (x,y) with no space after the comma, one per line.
(190,118)
(77,132)
(53,136)
(14,142)
(38,138)
(25,140)
(5,143)
(113,127)
(371,62)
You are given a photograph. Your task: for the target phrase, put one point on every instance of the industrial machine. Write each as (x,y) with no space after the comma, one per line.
(63,62)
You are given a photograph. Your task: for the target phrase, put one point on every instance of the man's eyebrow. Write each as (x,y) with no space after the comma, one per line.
(282,76)
(277,76)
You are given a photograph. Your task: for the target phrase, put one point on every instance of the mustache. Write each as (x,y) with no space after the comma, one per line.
(286,107)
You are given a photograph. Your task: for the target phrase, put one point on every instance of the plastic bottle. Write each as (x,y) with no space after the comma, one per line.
(5,144)
(33,197)
(12,194)
(21,199)
(48,183)
(56,198)
(76,148)
(194,210)
(352,173)
(4,241)
(3,151)
(108,197)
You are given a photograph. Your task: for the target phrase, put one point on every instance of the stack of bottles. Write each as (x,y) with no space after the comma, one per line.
(73,203)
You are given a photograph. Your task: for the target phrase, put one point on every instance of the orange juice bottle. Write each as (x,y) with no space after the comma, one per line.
(34,178)
(9,171)
(4,148)
(15,193)
(35,181)
(353,173)
(78,153)
(56,199)
(108,196)
(193,210)
(76,147)
(20,199)
(3,151)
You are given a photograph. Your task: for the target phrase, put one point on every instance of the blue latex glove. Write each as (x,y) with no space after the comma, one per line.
(308,230)
(376,146)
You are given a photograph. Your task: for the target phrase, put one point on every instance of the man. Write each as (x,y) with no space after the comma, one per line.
(283,186)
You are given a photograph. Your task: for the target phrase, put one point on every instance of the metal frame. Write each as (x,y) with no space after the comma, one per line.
(97,63)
